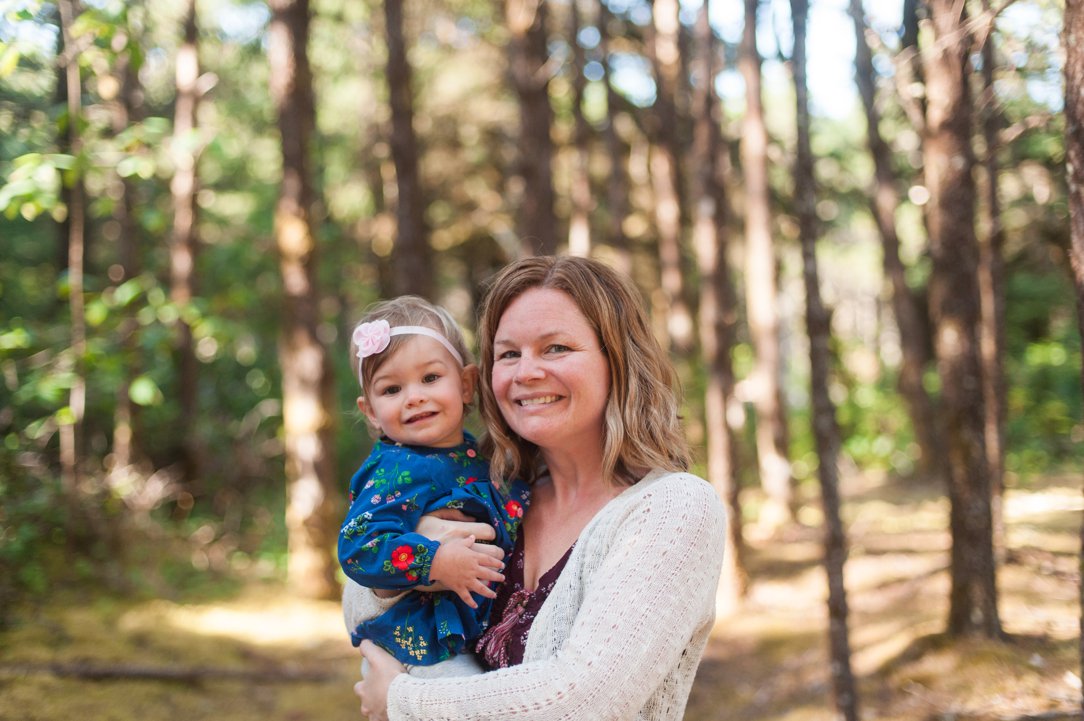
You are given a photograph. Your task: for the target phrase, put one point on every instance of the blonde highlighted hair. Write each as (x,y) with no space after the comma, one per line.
(405,310)
(643,429)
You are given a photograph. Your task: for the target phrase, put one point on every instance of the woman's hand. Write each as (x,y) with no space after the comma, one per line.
(373,689)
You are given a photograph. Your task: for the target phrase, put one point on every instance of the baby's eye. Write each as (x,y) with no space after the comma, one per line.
(389,390)
(431,378)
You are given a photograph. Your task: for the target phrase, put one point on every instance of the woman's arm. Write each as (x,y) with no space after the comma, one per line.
(650,596)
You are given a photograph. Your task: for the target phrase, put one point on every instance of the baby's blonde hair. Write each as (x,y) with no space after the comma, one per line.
(404,310)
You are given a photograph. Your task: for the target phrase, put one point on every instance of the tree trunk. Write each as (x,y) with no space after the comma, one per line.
(772,438)
(716,307)
(884,204)
(1074,156)
(308,395)
(579,226)
(71,422)
(617,189)
(183,246)
(124,112)
(954,302)
(411,259)
(530,77)
(826,432)
(663,48)
(992,296)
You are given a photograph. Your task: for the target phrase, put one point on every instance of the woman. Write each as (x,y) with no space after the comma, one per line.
(610,594)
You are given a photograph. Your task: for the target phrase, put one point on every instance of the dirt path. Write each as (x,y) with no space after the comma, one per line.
(264,656)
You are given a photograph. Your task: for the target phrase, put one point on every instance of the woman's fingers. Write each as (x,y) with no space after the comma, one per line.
(490,550)
(442,530)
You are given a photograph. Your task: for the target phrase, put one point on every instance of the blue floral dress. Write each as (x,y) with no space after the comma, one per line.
(395,486)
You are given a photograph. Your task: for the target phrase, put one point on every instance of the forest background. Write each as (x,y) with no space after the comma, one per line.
(858,256)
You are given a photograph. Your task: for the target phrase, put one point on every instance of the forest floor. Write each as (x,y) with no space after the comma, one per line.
(259,654)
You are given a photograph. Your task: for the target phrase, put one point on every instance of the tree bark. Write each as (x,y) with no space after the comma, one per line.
(772,438)
(530,78)
(308,395)
(884,204)
(716,308)
(1074,157)
(617,189)
(992,296)
(826,431)
(412,259)
(71,423)
(579,226)
(664,51)
(184,242)
(954,301)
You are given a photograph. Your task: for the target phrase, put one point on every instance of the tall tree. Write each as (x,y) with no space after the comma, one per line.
(772,438)
(617,188)
(826,432)
(412,259)
(125,109)
(664,49)
(717,307)
(992,285)
(184,241)
(884,202)
(1074,160)
(530,77)
(71,424)
(307,391)
(954,300)
(579,225)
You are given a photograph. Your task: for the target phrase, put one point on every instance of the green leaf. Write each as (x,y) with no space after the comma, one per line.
(145,392)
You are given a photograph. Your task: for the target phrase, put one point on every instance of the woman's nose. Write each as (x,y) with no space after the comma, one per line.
(528,368)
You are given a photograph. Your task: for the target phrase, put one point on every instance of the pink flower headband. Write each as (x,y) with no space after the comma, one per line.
(372,338)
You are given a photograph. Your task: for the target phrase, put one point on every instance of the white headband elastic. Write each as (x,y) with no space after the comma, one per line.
(372,338)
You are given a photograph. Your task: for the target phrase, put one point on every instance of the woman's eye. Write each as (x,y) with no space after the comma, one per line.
(558,348)
(508,354)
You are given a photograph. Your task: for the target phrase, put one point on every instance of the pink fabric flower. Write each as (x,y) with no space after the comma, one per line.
(372,338)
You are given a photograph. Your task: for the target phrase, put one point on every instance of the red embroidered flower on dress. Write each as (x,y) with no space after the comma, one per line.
(471,453)
(514,509)
(402,557)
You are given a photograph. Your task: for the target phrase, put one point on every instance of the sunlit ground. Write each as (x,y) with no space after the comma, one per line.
(265,655)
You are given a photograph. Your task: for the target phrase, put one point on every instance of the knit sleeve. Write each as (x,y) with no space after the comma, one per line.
(648,595)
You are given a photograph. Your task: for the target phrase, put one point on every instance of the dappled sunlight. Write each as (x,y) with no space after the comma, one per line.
(261,620)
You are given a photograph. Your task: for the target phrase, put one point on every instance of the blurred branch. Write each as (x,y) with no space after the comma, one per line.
(129,672)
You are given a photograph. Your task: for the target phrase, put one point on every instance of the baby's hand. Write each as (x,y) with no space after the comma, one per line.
(463,570)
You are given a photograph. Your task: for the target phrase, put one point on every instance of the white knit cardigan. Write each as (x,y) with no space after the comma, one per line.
(620,635)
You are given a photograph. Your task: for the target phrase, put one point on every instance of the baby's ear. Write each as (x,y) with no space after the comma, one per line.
(364,407)
(470,382)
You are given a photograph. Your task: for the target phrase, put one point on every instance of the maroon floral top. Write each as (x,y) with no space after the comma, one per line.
(514,610)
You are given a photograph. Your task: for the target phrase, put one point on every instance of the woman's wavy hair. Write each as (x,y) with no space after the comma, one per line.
(643,429)
(405,310)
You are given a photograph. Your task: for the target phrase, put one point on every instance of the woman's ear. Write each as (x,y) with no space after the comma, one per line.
(470,382)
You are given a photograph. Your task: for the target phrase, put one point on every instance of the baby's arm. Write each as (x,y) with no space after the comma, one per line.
(378,548)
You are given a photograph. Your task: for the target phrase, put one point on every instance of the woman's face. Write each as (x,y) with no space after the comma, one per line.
(550,377)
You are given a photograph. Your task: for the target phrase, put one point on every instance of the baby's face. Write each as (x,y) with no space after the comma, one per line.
(417,396)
